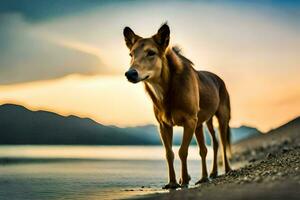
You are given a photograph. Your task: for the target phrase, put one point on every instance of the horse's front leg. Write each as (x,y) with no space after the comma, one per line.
(166,133)
(189,129)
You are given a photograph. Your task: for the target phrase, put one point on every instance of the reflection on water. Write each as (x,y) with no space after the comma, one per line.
(102,172)
(92,152)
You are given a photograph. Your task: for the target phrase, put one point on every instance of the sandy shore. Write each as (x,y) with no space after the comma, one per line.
(270,170)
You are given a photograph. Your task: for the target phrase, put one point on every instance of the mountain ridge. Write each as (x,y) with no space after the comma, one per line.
(20,125)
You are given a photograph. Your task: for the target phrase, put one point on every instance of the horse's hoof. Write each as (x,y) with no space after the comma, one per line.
(202,180)
(182,183)
(213,175)
(171,186)
(228,171)
(185,185)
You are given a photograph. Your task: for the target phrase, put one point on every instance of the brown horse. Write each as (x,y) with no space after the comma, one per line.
(181,96)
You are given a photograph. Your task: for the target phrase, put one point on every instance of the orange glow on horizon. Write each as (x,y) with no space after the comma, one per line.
(111,100)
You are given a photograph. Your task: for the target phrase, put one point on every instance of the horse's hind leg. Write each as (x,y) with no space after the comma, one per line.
(214,171)
(203,153)
(223,119)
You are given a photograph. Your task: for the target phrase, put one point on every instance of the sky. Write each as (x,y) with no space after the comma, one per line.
(69,56)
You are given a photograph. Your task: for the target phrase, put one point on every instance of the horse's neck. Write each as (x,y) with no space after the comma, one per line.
(160,91)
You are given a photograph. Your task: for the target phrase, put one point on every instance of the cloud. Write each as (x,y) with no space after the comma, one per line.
(244,38)
(37,10)
(27,56)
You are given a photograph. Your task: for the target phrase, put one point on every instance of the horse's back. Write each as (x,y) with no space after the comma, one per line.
(211,79)
(213,94)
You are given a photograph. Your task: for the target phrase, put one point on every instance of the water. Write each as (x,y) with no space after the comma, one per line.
(87,172)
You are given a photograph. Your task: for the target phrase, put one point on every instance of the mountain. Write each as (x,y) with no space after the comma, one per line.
(19,125)
(147,132)
(293,127)
(243,132)
(237,134)
(284,135)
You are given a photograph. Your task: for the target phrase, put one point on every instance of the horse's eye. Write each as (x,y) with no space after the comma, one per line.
(150,53)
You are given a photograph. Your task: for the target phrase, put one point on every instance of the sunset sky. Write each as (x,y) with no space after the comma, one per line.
(70,57)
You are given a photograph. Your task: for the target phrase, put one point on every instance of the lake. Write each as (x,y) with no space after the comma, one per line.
(87,172)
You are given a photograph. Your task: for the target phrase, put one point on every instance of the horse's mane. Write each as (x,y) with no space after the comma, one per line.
(185,60)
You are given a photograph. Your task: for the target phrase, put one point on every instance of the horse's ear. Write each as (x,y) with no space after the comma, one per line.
(130,37)
(162,37)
